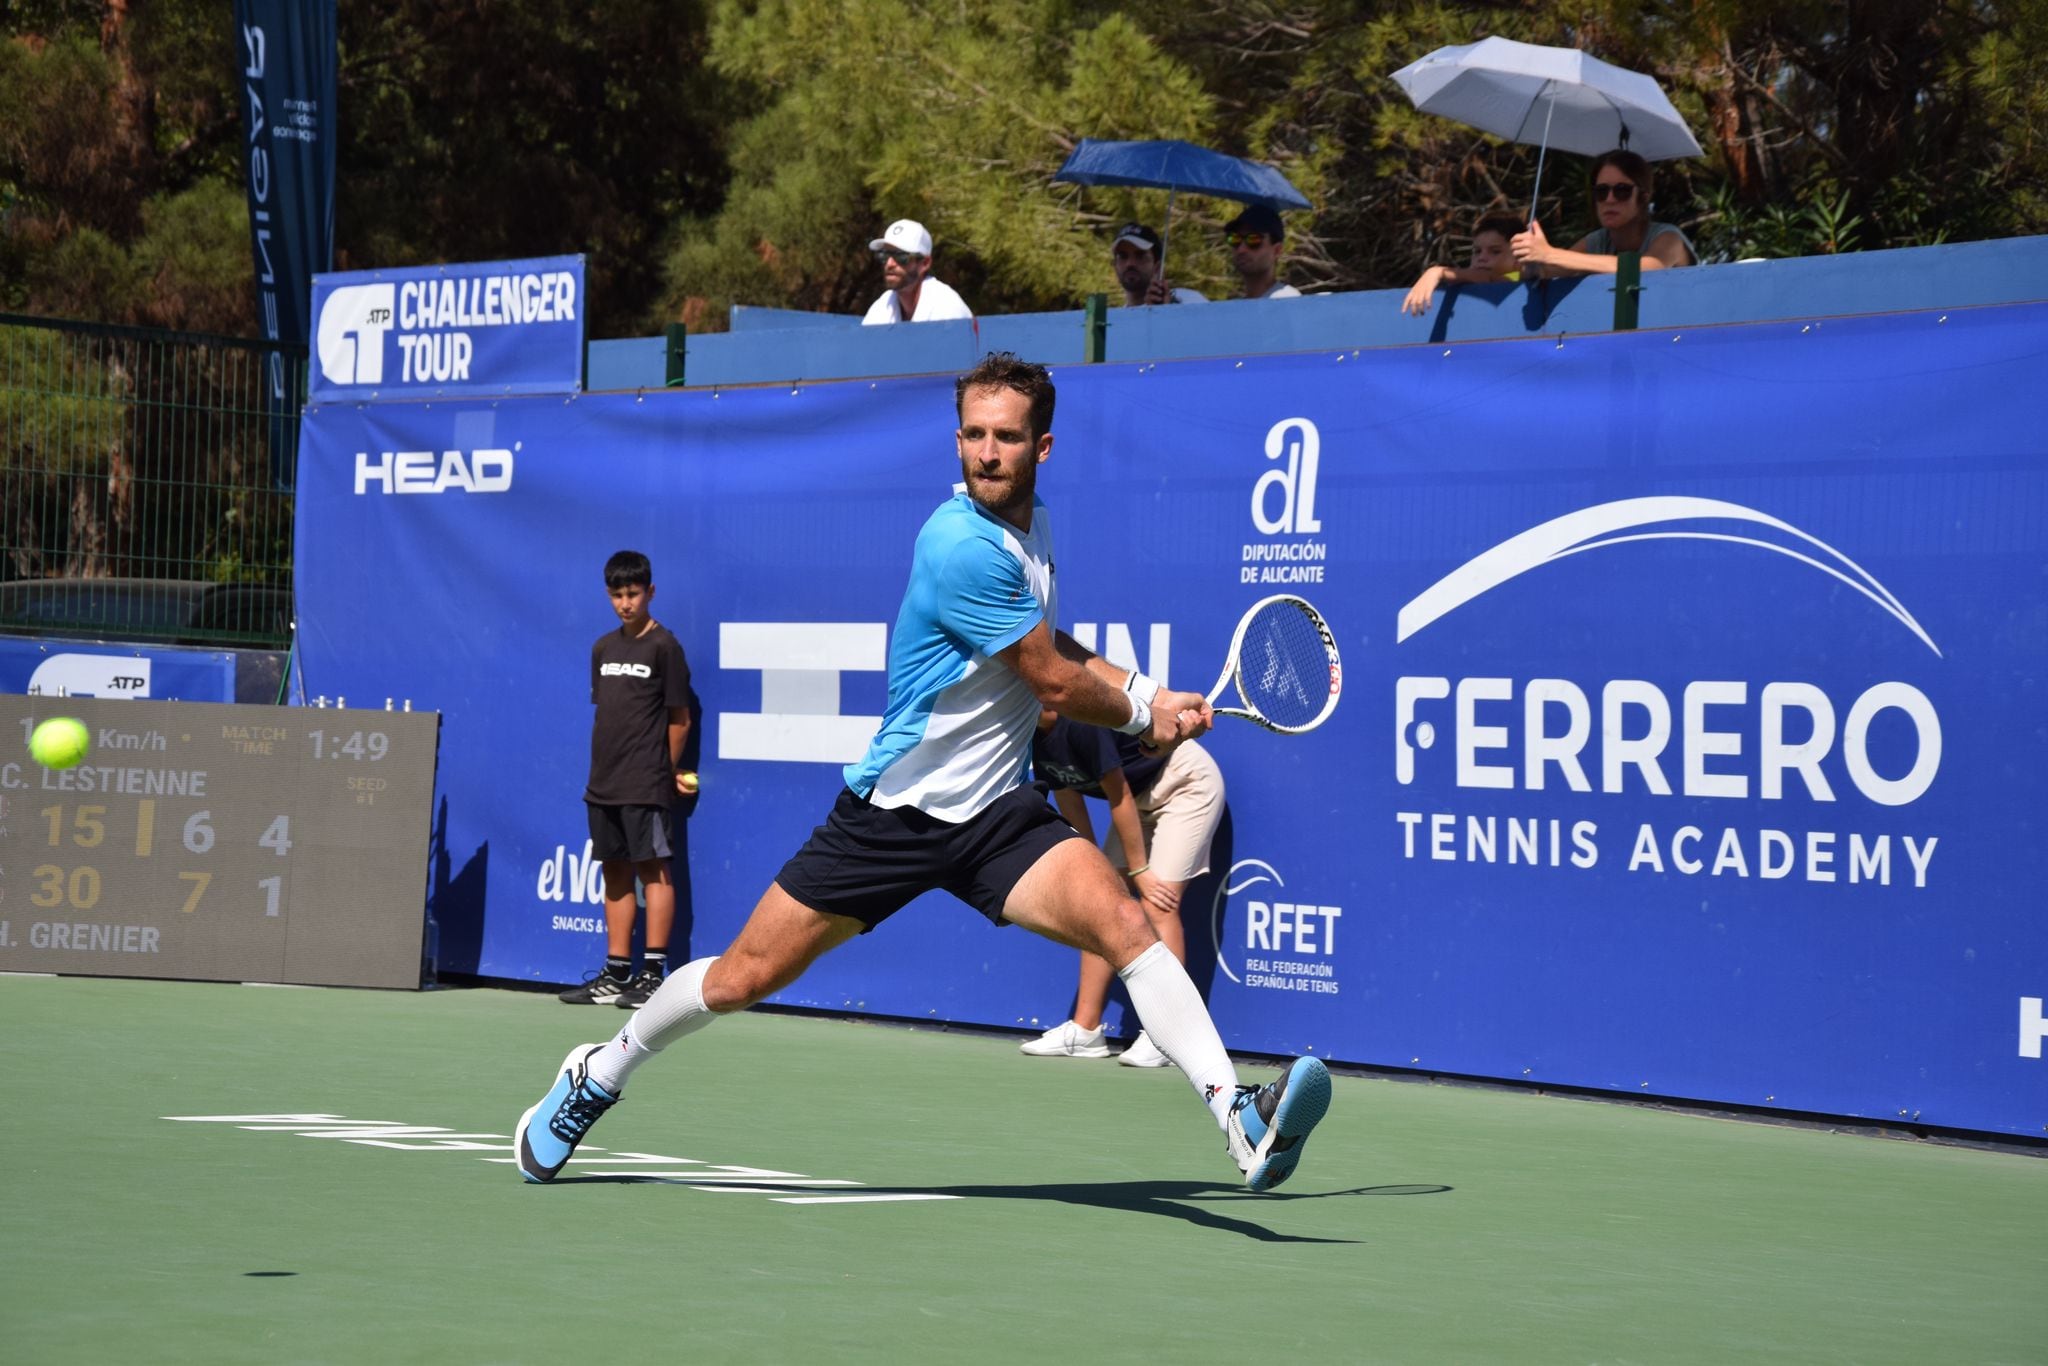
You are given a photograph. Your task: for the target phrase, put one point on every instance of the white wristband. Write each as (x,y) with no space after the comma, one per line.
(1141,718)
(1139,686)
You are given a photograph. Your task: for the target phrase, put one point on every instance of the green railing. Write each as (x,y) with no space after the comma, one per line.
(145,483)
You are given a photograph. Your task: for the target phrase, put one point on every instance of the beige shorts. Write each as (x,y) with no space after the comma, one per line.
(1179,815)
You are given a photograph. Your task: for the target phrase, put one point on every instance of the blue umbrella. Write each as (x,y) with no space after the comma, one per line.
(1172,165)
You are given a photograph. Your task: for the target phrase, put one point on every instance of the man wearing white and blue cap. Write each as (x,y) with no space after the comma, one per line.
(905,251)
(1135,256)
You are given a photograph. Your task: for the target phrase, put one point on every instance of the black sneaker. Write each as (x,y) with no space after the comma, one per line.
(644,984)
(601,990)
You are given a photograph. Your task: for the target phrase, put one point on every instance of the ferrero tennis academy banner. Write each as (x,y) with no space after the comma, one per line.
(1689,742)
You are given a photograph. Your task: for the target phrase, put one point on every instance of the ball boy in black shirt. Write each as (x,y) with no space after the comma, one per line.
(640,682)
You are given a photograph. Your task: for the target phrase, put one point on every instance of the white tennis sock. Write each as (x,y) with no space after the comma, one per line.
(1173,1015)
(674,1010)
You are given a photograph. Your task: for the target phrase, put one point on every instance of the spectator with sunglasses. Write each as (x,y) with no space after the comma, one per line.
(1621,201)
(905,251)
(1255,237)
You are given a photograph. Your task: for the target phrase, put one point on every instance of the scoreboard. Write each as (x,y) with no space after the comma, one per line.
(218,842)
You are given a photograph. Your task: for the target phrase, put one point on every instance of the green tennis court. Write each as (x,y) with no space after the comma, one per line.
(785,1189)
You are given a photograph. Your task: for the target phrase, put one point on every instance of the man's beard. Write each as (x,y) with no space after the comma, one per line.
(1010,496)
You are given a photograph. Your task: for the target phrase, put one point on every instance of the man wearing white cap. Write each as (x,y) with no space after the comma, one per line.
(905,251)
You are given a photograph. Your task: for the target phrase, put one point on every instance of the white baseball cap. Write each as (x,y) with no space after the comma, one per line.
(905,235)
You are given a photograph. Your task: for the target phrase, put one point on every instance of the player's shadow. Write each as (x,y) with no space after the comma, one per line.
(1190,1201)
(1194,1202)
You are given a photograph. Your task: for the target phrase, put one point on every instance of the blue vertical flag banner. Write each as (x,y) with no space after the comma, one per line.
(1690,739)
(493,327)
(285,56)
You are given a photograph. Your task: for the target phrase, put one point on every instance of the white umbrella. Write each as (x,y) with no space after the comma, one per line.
(1551,96)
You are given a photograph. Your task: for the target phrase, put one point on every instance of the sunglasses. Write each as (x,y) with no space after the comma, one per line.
(1622,193)
(901,258)
(1253,240)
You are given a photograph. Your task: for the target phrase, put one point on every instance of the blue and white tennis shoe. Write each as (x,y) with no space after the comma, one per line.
(1269,1124)
(549,1132)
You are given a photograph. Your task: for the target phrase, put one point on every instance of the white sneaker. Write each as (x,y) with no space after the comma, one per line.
(1143,1053)
(1067,1040)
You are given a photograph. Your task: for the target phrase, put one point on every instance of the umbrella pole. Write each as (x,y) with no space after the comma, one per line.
(1537,194)
(1166,230)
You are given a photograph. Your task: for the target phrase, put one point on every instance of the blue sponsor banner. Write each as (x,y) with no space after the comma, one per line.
(1688,743)
(285,56)
(496,327)
(81,668)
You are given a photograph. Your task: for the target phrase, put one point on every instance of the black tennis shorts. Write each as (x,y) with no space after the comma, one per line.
(638,833)
(870,861)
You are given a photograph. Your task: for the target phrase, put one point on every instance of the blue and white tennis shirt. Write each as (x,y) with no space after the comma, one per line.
(957,732)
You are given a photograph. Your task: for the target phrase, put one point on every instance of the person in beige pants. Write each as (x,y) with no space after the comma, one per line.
(1163,810)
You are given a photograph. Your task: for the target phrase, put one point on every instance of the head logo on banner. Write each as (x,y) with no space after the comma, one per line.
(500,327)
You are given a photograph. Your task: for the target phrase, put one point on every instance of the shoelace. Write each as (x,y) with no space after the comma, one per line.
(581,1110)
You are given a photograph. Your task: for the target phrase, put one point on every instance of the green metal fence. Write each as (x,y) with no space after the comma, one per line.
(145,483)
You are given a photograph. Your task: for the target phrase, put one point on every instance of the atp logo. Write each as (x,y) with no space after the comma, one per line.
(353,322)
(82,675)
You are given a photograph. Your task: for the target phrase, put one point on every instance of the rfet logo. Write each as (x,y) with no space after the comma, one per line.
(351,331)
(1281,940)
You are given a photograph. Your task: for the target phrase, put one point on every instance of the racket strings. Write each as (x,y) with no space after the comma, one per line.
(1284,665)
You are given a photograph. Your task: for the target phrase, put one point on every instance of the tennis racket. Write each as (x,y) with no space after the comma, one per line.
(1284,662)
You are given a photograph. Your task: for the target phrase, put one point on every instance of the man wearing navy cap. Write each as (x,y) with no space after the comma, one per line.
(1254,237)
(1135,256)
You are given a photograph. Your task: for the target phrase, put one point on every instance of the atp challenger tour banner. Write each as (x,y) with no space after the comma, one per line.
(1688,741)
(500,327)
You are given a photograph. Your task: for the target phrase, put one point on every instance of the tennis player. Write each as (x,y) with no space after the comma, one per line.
(940,801)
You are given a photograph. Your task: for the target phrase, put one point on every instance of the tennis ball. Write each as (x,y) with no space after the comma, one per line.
(60,742)
(689,782)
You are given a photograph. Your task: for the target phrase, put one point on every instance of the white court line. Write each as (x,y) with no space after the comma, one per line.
(731,1178)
